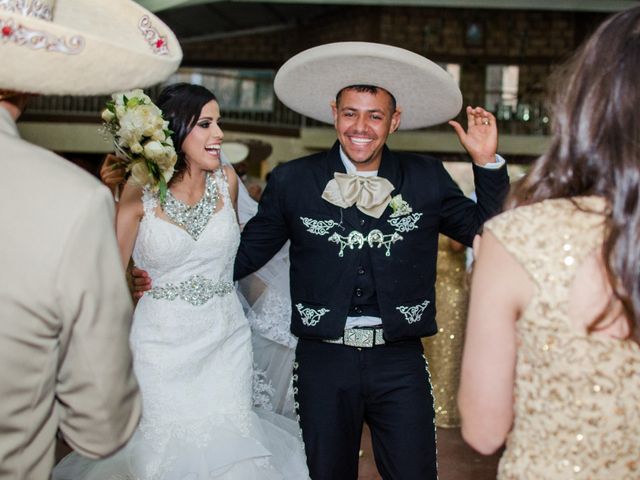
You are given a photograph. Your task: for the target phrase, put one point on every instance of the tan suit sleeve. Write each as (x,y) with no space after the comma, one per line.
(97,394)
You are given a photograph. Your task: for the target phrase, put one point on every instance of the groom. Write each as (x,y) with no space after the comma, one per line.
(363,223)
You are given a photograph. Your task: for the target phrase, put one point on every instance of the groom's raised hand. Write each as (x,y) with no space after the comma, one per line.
(480,139)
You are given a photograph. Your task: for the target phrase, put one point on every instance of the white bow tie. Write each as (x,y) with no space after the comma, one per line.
(371,195)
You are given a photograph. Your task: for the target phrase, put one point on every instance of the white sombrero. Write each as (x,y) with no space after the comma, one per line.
(83,47)
(235,152)
(425,92)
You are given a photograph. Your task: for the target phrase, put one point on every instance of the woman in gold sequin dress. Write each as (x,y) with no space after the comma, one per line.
(444,350)
(552,361)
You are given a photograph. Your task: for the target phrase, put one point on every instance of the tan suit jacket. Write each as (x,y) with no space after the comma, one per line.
(65,313)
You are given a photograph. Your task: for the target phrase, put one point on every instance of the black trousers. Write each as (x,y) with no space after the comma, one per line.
(337,387)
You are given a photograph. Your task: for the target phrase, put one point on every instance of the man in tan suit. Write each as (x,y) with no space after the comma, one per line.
(65,311)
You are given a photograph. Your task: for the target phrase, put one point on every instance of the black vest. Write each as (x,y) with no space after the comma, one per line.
(364,301)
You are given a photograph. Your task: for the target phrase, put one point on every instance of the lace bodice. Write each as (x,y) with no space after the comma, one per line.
(169,254)
(577,396)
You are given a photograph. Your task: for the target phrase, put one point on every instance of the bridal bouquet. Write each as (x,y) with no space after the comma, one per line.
(142,139)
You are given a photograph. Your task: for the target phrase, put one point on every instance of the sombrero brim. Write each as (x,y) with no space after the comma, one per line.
(425,92)
(235,152)
(91,47)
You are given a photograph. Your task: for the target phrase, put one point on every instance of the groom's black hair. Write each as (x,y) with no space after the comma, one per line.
(181,104)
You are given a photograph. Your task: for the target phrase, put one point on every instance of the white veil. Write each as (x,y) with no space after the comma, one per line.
(267,302)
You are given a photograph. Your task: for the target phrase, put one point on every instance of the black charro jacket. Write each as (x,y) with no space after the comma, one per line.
(322,280)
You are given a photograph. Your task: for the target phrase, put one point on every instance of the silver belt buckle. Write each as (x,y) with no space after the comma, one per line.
(360,337)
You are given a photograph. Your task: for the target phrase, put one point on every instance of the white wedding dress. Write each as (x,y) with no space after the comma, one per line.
(193,359)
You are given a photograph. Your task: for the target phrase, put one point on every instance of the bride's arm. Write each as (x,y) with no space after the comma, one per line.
(128,215)
(232,180)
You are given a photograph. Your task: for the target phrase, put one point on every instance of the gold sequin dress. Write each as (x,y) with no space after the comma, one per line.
(444,350)
(577,396)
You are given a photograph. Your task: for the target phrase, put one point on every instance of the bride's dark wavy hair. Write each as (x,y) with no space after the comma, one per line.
(181,104)
(595,149)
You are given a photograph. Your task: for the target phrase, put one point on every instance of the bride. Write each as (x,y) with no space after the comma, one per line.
(190,339)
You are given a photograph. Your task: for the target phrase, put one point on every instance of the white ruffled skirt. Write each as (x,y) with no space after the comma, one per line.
(257,445)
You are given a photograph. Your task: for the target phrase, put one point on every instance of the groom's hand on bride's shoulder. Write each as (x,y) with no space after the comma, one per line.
(140,282)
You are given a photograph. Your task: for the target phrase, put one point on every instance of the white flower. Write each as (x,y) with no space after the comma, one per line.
(168,161)
(108,115)
(118,99)
(399,206)
(136,148)
(140,174)
(159,135)
(132,126)
(167,174)
(154,150)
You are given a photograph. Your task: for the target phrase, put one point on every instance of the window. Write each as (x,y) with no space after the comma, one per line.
(241,90)
(501,89)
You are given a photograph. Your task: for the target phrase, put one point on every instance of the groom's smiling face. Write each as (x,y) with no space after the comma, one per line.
(363,121)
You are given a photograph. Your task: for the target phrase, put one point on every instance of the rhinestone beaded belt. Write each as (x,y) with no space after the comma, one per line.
(196,290)
(363,337)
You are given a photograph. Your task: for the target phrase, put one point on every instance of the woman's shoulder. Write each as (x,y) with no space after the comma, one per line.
(570,211)
(549,226)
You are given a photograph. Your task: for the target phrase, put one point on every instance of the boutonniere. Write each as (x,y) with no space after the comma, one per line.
(399,207)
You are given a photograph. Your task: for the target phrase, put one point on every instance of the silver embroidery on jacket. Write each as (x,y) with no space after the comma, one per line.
(318,227)
(378,239)
(413,314)
(355,239)
(405,224)
(310,316)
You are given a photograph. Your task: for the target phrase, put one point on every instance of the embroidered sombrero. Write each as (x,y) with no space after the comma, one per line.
(83,47)
(310,80)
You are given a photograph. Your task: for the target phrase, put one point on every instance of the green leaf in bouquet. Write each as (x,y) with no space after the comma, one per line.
(162,189)
(153,168)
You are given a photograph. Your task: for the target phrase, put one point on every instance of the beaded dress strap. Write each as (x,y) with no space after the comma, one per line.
(223,183)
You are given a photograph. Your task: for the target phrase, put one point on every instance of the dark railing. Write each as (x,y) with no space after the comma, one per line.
(525,119)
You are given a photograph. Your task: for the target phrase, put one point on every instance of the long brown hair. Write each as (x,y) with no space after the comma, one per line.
(595,148)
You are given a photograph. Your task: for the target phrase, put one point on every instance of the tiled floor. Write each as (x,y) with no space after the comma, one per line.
(456,461)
